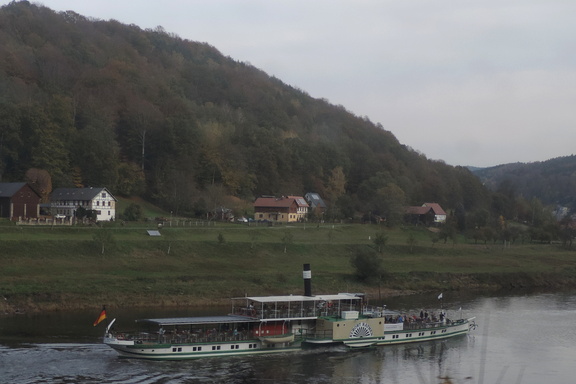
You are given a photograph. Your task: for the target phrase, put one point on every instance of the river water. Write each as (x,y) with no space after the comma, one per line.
(521,338)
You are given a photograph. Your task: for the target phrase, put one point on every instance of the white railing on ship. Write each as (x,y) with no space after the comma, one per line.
(184,337)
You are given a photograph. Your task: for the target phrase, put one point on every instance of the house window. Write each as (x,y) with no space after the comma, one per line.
(97,203)
(103,195)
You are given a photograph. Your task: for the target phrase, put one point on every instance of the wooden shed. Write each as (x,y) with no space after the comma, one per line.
(19,201)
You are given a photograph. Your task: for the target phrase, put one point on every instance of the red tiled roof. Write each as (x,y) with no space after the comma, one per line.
(280,202)
(417,210)
(435,207)
(425,208)
(272,202)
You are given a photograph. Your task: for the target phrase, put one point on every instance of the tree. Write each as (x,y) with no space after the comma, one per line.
(368,266)
(392,203)
(94,153)
(133,212)
(131,180)
(567,232)
(287,239)
(51,130)
(103,237)
(140,118)
(82,213)
(411,241)
(336,184)
(380,240)
(41,181)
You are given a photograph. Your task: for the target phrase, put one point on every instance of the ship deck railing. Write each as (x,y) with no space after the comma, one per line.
(415,325)
(283,314)
(185,338)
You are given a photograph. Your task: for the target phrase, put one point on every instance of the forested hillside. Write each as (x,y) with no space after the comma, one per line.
(552,181)
(145,112)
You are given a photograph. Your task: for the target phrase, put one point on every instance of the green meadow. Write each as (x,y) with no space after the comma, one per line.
(196,262)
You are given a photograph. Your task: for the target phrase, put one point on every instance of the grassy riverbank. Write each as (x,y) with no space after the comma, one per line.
(196,263)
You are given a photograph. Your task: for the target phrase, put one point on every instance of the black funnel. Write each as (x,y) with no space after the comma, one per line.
(307,274)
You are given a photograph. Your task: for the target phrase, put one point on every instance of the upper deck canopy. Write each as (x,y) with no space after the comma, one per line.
(198,320)
(300,298)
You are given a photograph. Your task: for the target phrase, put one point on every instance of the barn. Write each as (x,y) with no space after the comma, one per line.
(19,201)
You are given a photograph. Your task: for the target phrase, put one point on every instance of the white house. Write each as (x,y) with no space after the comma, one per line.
(65,201)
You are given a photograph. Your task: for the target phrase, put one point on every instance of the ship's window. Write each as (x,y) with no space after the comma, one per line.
(199,348)
(213,348)
(179,349)
(194,349)
(173,349)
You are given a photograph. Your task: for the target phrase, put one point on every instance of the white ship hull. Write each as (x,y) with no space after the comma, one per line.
(193,351)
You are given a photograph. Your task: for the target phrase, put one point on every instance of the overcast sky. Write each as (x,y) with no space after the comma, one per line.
(468,82)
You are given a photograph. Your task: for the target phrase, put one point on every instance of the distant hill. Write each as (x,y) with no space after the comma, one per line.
(145,112)
(552,181)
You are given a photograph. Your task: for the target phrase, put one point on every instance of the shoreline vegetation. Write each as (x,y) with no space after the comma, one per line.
(201,264)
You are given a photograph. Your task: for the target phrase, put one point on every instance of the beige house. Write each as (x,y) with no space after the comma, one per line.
(285,209)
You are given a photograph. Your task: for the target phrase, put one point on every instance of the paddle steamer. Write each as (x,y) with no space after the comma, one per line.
(273,324)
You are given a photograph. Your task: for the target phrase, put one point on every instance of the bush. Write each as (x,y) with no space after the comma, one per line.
(368,266)
(132,213)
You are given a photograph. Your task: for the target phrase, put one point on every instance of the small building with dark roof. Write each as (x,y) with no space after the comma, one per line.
(19,201)
(315,201)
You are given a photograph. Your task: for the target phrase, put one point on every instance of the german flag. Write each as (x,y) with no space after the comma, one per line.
(101,317)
